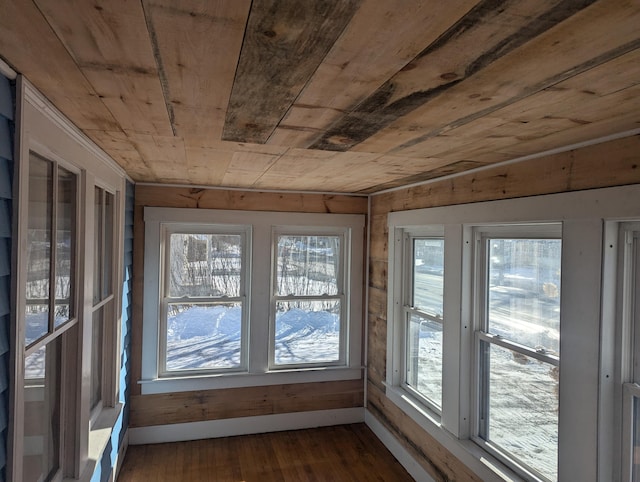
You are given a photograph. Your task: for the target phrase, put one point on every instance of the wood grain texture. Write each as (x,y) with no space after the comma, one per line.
(381,39)
(196,406)
(284,44)
(44,58)
(612,163)
(342,453)
(184,33)
(99,36)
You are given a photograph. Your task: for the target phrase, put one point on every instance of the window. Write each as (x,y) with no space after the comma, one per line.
(204,301)
(517,342)
(65,332)
(50,313)
(308,307)
(250,298)
(423,304)
(532,386)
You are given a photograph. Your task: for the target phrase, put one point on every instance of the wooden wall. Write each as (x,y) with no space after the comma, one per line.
(204,405)
(608,164)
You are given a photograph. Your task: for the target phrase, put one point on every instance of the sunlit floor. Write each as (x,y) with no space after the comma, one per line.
(341,453)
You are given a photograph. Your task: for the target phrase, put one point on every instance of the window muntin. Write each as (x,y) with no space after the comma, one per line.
(517,343)
(423,317)
(309,300)
(204,300)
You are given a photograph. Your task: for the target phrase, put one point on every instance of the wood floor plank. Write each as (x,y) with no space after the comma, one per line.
(336,454)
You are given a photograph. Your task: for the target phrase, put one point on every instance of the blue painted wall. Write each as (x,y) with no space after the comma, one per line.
(6,178)
(109,457)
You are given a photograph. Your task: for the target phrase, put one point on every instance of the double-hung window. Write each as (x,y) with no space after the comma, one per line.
(204,299)
(246,298)
(517,345)
(308,307)
(423,315)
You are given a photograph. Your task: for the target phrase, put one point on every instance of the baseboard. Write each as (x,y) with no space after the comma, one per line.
(399,452)
(179,432)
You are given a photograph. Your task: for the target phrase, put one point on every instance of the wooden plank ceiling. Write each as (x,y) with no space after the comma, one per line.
(337,96)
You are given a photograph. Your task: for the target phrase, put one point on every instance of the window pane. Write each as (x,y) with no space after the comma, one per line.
(38,248)
(428,276)
(524,291)
(424,358)
(42,413)
(635,467)
(521,403)
(65,246)
(308,265)
(107,288)
(307,331)
(97,244)
(96,356)
(203,336)
(205,265)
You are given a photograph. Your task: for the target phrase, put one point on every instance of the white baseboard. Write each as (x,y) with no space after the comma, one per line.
(179,432)
(399,452)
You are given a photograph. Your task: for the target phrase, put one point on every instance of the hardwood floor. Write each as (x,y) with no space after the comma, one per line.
(340,453)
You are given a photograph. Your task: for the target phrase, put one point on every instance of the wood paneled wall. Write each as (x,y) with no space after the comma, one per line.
(613,163)
(204,405)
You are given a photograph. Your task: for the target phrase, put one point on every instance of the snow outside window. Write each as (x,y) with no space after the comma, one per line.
(518,345)
(248,298)
(308,302)
(204,299)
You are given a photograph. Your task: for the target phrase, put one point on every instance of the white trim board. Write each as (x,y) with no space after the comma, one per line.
(179,432)
(397,450)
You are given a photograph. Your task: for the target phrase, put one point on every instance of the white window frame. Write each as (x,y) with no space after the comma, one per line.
(342,281)
(258,371)
(480,323)
(587,405)
(41,129)
(244,297)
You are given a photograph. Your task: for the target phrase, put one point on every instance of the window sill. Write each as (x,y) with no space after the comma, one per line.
(99,437)
(239,380)
(478,460)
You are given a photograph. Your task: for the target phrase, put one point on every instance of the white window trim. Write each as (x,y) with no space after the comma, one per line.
(42,129)
(586,390)
(263,225)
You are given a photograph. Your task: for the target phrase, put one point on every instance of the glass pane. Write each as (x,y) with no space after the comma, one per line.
(42,413)
(97,244)
(97,336)
(109,208)
(521,400)
(307,331)
(38,248)
(424,358)
(204,336)
(635,462)
(65,246)
(524,291)
(308,265)
(205,265)
(428,276)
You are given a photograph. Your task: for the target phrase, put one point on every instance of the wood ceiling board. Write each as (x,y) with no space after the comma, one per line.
(198,45)
(284,44)
(207,165)
(488,31)
(109,41)
(576,45)
(381,39)
(31,47)
(246,168)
